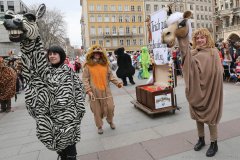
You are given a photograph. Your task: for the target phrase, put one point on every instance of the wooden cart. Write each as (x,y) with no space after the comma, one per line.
(157,100)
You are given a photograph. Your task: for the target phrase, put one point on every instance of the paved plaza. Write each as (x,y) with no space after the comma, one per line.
(137,136)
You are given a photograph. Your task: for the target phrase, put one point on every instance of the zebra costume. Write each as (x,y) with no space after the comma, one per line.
(54,96)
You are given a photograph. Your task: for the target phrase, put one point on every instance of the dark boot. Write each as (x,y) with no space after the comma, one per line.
(200,144)
(62,156)
(71,158)
(212,149)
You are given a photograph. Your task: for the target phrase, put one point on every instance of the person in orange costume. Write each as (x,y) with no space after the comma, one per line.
(96,77)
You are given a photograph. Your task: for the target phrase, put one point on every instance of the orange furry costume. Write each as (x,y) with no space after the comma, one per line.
(96,78)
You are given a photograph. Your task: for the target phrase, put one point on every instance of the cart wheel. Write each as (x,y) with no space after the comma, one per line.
(173,111)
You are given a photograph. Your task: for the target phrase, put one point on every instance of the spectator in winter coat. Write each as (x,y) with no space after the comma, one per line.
(125,68)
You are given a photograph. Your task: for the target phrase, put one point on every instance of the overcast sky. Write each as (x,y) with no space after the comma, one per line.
(72,14)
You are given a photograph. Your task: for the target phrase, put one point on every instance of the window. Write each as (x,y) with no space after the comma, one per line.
(92,31)
(100,42)
(198,17)
(206,8)
(191,7)
(100,31)
(197,7)
(106,18)
(141,42)
(155,7)
(1,6)
(113,8)
(132,8)
(93,42)
(210,9)
(127,30)
(99,7)
(127,19)
(121,31)
(91,7)
(99,18)
(139,8)
(120,19)
(128,42)
(126,8)
(198,25)
(148,7)
(119,8)
(121,42)
(105,7)
(134,30)
(134,42)
(140,30)
(139,18)
(115,42)
(206,17)
(92,19)
(201,8)
(107,30)
(192,24)
(114,30)
(108,43)
(202,18)
(10,5)
(113,18)
(133,19)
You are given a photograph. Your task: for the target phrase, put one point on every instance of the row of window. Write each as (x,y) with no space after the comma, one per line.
(119,7)
(202,8)
(115,18)
(202,17)
(10,6)
(116,42)
(114,30)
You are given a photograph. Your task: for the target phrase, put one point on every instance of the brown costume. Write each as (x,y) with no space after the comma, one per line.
(203,72)
(7,86)
(96,78)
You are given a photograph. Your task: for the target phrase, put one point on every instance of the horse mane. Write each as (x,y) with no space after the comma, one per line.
(177,17)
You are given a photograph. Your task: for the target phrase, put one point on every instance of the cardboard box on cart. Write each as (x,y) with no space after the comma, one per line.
(157,97)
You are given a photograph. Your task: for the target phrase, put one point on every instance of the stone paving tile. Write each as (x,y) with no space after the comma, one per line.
(46,155)
(89,146)
(93,156)
(27,156)
(129,138)
(31,147)
(165,146)
(132,152)
(9,152)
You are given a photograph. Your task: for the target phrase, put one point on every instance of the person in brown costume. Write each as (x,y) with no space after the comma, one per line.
(202,73)
(96,77)
(7,86)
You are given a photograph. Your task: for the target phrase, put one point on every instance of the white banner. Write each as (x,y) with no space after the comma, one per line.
(160,50)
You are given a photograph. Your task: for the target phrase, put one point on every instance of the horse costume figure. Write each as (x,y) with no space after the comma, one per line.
(50,92)
(202,73)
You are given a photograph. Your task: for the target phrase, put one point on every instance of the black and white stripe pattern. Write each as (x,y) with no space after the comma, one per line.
(50,97)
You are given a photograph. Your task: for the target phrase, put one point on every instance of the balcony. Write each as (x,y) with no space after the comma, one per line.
(118,34)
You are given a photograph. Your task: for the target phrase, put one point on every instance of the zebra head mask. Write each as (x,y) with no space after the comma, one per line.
(23,26)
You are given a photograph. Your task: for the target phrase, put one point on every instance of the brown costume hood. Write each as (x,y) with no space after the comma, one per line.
(96,49)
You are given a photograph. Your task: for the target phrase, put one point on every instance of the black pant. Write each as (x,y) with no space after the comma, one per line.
(124,79)
(5,105)
(68,153)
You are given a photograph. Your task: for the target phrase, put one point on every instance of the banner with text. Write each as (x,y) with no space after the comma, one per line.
(160,50)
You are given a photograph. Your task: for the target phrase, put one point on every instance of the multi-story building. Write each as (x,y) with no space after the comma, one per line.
(5,44)
(202,10)
(113,24)
(227,19)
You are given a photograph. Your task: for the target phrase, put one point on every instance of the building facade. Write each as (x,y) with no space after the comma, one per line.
(202,11)
(227,20)
(113,24)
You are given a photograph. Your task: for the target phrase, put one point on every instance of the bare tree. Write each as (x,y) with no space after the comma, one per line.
(52,27)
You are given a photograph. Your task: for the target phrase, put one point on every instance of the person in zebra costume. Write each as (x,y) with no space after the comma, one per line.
(54,95)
